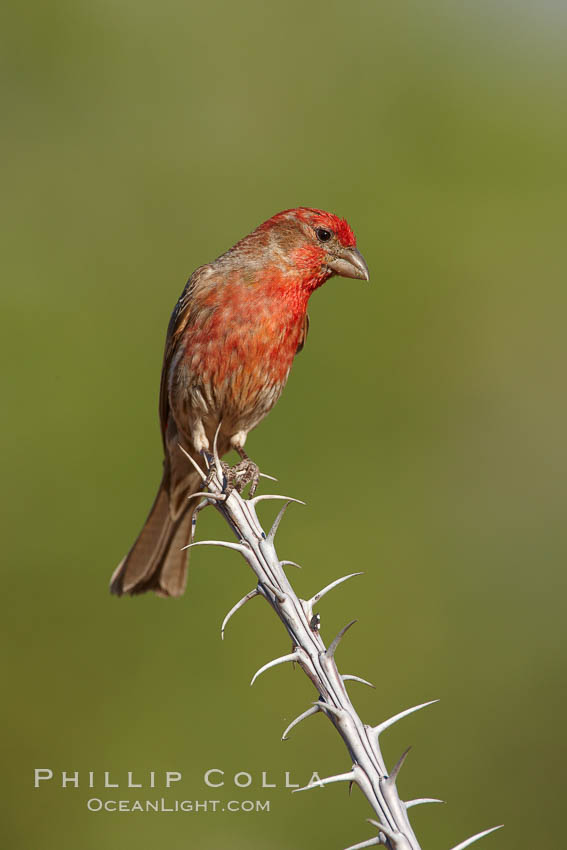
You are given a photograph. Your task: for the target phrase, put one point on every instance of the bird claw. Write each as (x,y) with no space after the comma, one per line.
(236,477)
(246,472)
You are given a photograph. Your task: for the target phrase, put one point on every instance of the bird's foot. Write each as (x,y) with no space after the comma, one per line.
(245,472)
(235,477)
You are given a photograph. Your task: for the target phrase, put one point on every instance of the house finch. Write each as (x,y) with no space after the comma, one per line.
(230,344)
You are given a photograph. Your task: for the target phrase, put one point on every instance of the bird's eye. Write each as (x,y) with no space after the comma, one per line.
(323,235)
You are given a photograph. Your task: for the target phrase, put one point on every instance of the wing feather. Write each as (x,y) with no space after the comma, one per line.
(179,318)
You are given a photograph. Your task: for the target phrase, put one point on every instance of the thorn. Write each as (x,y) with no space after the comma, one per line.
(332,649)
(244,550)
(281,597)
(350,678)
(318,596)
(269,477)
(293,656)
(390,722)
(476,837)
(370,843)
(238,605)
(386,830)
(196,512)
(391,780)
(216,457)
(195,464)
(213,497)
(311,710)
(350,788)
(268,497)
(420,800)
(320,783)
(290,564)
(278,519)
(338,712)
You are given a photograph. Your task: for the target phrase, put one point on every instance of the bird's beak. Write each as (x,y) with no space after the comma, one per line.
(350,263)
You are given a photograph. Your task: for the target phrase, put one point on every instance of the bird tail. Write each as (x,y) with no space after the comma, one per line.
(157,560)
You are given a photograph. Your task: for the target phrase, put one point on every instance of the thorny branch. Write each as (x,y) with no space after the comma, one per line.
(368,771)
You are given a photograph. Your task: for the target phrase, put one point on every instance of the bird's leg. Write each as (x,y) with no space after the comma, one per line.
(246,471)
(234,477)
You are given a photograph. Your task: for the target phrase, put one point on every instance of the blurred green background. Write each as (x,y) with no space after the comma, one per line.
(424,424)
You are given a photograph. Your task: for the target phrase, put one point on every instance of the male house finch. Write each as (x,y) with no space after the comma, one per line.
(230,344)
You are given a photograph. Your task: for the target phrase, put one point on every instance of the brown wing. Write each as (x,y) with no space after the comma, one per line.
(177,323)
(303,334)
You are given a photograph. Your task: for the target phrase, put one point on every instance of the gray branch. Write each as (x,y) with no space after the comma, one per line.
(368,771)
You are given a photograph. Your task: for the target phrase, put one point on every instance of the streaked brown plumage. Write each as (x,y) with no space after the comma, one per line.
(230,345)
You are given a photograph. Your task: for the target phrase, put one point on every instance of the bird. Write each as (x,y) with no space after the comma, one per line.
(229,348)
